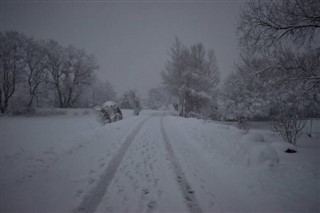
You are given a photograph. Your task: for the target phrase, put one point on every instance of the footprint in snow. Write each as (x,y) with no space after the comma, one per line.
(155,182)
(91,181)
(188,198)
(152,204)
(78,193)
(145,191)
(120,189)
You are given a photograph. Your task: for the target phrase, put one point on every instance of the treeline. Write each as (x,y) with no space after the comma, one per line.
(278,73)
(279,69)
(192,76)
(38,73)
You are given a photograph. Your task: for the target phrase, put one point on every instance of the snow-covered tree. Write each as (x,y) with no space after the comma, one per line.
(131,100)
(192,76)
(173,76)
(244,93)
(98,93)
(286,34)
(157,98)
(252,93)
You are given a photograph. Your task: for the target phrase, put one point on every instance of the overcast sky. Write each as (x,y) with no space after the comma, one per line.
(130,39)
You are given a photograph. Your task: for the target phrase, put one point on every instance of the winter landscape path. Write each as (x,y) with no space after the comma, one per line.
(94,197)
(140,173)
(155,162)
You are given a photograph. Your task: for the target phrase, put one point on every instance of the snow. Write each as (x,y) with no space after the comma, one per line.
(109,104)
(252,137)
(154,162)
(263,155)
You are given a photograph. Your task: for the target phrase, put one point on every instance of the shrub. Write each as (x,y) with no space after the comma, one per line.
(287,122)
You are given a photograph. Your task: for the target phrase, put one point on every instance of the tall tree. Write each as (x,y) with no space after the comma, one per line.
(287,34)
(35,71)
(12,64)
(245,94)
(175,68)
(99,93)
(71,72)
(79,75)
(266,23)
(57,67)
(192,76)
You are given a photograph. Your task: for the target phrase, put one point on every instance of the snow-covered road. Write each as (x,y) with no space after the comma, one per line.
(144,176)
(155,162)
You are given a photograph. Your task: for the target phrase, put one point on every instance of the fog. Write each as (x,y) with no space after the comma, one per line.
(130,39)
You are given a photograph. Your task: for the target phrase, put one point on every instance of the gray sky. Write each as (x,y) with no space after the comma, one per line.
(130,39)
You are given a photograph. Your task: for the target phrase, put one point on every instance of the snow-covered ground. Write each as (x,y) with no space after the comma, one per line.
(154,162)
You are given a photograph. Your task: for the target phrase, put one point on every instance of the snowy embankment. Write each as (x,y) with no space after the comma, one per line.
(250,172)
(153,162)
(54,145)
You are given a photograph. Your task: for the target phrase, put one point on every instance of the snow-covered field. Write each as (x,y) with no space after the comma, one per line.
(154,162)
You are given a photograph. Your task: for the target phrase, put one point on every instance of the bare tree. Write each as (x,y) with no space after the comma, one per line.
(286,34)
(72,71)
(36,68)
(78,76)
(12,64)
(298,69)
(56,66)
(288,122)
(265,23)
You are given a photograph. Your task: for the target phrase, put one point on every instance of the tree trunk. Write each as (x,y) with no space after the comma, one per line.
(182,108)
(61,102)
(29,105)
(4,107)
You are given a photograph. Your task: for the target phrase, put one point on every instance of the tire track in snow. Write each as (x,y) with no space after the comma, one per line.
(91,200)
(183,183)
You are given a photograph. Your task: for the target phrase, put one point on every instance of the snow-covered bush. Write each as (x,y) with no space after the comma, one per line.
(108,112)
(252,137)
(258,153)
(262,155)
(281,146)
